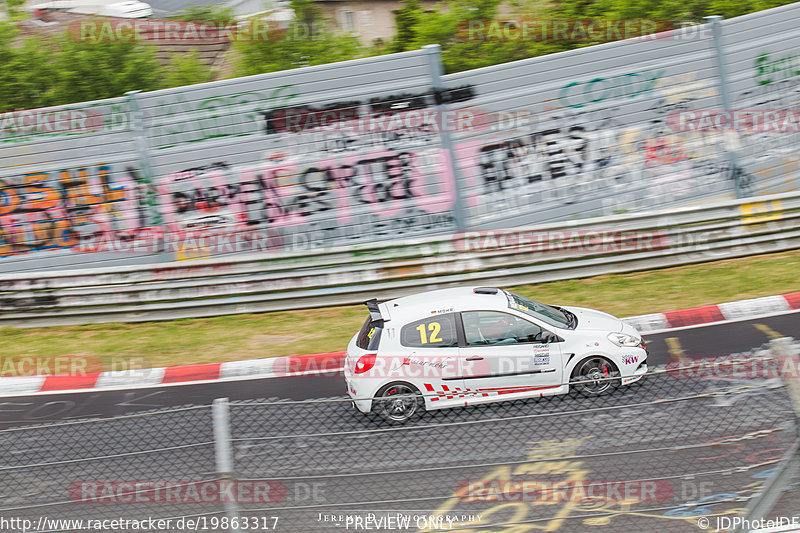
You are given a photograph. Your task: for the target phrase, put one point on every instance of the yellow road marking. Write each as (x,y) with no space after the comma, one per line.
(674,345)
(768,331)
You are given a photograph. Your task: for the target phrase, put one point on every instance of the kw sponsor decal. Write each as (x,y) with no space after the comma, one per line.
(630,359)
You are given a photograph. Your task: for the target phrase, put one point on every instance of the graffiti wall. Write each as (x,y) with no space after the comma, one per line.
(764,75)
(586,133)
(620,127)
(367,150)
(304,159)
(71,178)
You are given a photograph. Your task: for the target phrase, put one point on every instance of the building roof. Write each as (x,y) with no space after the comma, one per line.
(165,8)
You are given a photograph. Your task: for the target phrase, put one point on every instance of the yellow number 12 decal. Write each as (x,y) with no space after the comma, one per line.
(434,328)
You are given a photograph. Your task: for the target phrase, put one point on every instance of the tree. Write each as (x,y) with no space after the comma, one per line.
(671,10)
(464,50)
(406,19)
(187,69)
(40,72)
(210,13)
(307,40)
(88,70)
(26,78)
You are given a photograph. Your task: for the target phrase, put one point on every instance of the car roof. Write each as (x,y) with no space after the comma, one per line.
(441,301)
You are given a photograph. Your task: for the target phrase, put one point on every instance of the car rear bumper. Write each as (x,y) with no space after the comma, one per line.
(362,404)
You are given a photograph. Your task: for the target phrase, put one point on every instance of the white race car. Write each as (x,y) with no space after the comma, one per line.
(464,346)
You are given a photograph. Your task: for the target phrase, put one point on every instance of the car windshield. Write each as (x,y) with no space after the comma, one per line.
(547,313)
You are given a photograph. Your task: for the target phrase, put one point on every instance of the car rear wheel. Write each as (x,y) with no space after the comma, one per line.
(398,402)
(594,375)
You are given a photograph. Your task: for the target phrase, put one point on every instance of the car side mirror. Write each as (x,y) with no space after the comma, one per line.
(549,337)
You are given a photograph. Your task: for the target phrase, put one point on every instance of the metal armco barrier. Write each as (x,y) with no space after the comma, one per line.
(386,148)
(339,276)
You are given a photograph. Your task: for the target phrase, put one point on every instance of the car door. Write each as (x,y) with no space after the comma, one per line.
(429,356)
(505,353)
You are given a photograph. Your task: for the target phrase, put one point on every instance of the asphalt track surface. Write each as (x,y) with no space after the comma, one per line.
(704,341)
(334,469)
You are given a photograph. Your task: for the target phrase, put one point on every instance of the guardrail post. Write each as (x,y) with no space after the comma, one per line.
(434,58)
(223,453)
(146,179)
(722,74)
(759,506)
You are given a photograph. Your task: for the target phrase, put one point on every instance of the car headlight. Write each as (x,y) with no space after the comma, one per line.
(623,339)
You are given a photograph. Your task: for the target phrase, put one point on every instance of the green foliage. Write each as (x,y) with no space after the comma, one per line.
(209,13)
(27,72)
(187,69)
(406,19)
(308,40)
(26,80)
(92,70)
(40,72)
(672,10)
(306,11)
(447,26)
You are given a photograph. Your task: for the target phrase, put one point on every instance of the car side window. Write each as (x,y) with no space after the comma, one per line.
(494,327)
(431,332)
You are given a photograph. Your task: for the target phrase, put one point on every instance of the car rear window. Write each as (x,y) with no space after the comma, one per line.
(369,337)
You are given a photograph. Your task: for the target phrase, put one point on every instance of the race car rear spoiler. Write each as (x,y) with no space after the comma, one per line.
(374,312)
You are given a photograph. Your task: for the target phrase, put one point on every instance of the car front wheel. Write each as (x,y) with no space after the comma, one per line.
(398,402)
(594,375)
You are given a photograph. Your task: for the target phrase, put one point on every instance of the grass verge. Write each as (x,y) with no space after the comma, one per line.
(235,337)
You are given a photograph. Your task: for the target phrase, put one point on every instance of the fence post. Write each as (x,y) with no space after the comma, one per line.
(146,179)
(220,411)
(722,74)
(434,59)
(760,505)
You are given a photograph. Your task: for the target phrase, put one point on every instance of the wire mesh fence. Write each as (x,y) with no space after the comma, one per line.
(690,447)
(132,467)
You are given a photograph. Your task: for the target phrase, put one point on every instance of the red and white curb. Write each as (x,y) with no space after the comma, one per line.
(709,314)
(309,364)
(270,367)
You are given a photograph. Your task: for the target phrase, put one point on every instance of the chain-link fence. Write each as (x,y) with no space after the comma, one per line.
(692,446)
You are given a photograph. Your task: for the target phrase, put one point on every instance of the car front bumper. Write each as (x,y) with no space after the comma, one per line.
(640,371)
